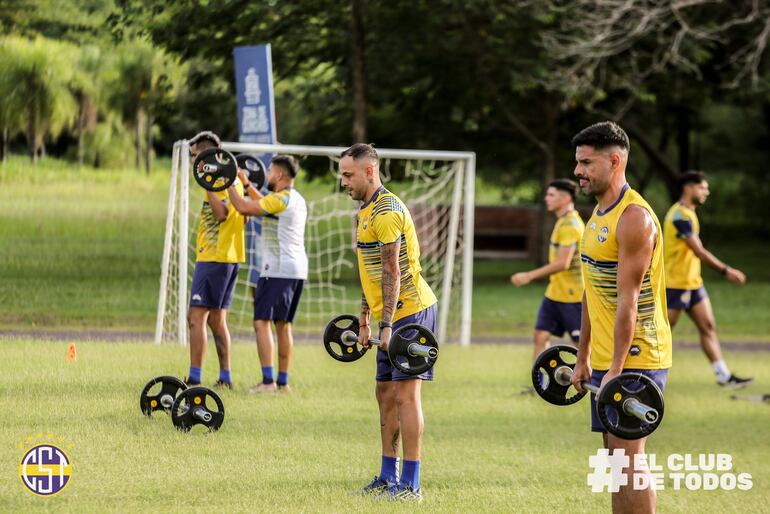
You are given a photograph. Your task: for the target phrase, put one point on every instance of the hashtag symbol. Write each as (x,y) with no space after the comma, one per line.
(608,470)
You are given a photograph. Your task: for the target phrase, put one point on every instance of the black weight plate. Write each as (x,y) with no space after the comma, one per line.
(254,167)
(168,386)
(348,352)
(195,399)
(609,405)
(223,173)
(543,375)
(398,349)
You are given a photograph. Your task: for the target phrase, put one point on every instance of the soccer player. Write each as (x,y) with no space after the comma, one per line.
(684,284)
(220,249)
(624,323)
(284,265)
(394,293)
(561,305)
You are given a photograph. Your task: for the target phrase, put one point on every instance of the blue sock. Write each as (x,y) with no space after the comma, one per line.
(267,375)
(224,375)
(195,375)
(389,469)
(411,474)
(283,378)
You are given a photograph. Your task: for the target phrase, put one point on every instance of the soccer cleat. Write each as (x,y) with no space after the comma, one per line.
(403,493)
(376,487)
(221,384)
(263,388)
(735,382)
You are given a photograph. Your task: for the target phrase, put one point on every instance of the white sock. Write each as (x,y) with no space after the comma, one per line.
(721,371)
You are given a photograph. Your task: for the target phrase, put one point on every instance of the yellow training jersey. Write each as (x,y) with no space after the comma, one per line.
(382,220)
(682,265)
(566,286)
(651,344)
(221,242)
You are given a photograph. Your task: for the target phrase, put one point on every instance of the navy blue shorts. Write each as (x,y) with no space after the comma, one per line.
(660,376)
(387,371)
(213,284)
(685,299)
(277,299)
(558,317)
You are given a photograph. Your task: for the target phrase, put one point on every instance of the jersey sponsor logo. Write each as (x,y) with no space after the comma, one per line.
(603,232)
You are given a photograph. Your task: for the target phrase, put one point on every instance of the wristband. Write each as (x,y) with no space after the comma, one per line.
(385,324)
(724,270)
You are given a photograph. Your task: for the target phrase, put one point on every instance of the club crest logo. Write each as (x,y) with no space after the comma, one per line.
(366,223)
(45,469)
(602,237)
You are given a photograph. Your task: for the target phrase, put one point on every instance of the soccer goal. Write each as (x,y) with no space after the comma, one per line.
(436,186)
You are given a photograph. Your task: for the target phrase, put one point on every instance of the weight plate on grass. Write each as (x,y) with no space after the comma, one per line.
(163,398)
(198,406)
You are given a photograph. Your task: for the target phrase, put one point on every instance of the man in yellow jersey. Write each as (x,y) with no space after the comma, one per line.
(561,305)
(395,292)
(220,247)
(284,267)
(684,285)
(625,324)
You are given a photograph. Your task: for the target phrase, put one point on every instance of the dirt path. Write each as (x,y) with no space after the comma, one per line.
(124,336)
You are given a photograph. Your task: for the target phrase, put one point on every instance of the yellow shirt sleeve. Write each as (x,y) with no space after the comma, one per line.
(274,203)
(388,226)
(569,235)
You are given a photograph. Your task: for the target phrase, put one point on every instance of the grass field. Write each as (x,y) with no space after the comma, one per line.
(486,448)
(82,249)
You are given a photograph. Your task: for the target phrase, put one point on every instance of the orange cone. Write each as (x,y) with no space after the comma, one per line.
(72,354)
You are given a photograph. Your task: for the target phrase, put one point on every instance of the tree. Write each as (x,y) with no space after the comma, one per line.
(39,77)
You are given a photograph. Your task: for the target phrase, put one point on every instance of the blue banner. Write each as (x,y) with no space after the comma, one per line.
(256,124)
(254,88)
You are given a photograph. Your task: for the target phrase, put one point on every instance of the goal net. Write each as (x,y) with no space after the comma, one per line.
(436,186)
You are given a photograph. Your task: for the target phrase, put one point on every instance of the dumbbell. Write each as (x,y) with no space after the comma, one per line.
(187,408)
(630,405)
(215,169)
(413,348)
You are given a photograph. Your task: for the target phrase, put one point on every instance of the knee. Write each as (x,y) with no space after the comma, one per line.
(708,327)
(383,393)
(402,398)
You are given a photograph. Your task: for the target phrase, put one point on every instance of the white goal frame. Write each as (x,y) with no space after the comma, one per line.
(178,209)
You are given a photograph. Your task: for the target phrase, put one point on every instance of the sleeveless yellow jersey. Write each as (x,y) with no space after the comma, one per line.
(221,242)
(682,265)
(651,344)
(382,220)
(566,286)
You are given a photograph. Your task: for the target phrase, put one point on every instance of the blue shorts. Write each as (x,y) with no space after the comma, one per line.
(213,284)
(660,376)
(685,299)
(277,299)
(387,371)
(558,317)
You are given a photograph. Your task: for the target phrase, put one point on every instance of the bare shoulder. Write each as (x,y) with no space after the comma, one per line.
(636,226)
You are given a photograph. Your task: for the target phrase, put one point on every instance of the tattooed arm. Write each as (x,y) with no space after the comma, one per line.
(391,286)
(364,330)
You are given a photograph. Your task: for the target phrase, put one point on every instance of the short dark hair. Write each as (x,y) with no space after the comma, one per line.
(566,185)
(287,162)
(689,177)
(359,150)
(201,138)
(602,135)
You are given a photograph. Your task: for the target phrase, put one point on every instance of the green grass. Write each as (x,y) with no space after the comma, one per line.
(81,249)
(486,448)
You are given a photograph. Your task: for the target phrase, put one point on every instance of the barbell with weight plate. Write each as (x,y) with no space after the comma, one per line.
(254,166)
(630,405)
(413,348)
(187,407)
(215,169)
